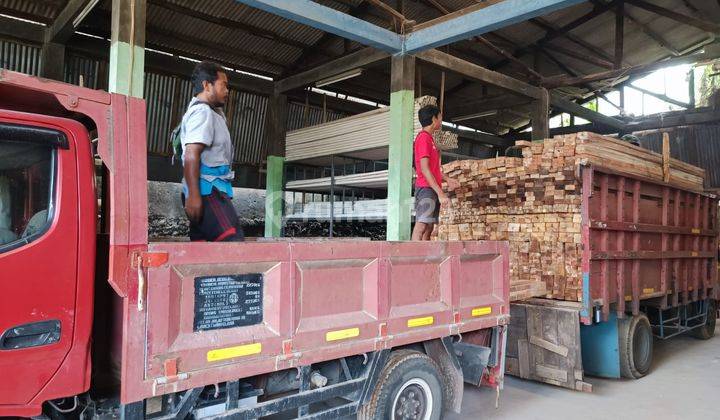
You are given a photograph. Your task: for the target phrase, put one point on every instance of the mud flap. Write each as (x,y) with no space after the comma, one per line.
(443,353)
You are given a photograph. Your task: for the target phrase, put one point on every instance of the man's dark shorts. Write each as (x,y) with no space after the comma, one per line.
(427,205)
(219,221)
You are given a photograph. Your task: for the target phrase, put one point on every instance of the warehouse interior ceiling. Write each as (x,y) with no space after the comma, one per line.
(575,41)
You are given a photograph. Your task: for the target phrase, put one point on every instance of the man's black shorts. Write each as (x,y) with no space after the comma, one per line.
(219,221)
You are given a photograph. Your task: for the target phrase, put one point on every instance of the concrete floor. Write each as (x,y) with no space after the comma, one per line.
(684,383)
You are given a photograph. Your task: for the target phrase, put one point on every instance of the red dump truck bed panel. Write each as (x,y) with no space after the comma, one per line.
(645,240)
(216,312)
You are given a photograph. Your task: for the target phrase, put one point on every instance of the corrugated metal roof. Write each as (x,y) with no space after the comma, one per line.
(39,10)
(275,45)
(258,52)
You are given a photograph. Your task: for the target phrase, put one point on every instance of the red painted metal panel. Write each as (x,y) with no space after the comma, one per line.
(322,300)
(670,254)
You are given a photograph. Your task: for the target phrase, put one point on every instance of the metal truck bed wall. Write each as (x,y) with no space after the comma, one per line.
(303,302)
(644,243)
(644,240)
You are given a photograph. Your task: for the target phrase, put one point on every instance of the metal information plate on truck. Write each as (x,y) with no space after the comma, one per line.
(227,301)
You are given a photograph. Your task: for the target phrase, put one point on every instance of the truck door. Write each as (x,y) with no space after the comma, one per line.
(38,255)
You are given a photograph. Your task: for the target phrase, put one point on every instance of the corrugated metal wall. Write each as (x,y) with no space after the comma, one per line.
(246,120)
(93,72)
(19,57)
(697,145)
(159,92)
(299,118)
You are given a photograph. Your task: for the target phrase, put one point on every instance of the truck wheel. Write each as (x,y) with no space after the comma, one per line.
(707,331)
(636,346)
(409,387)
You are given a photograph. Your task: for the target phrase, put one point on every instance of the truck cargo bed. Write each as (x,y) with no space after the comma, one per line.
(217,312)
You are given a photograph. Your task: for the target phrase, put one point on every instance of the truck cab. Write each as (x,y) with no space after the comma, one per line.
(47,258)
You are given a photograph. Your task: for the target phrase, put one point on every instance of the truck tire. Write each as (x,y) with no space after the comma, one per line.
(707,331)
(409,387)
(636,346)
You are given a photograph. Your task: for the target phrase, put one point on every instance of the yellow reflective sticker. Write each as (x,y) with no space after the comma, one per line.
(696,231)
(342,334)
(628,297)
(648,291)
(231,352)
(419,322)
(485,310)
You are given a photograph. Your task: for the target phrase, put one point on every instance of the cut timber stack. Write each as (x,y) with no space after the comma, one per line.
(534,202)
(370,130)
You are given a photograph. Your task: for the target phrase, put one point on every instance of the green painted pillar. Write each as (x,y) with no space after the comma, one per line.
(275,130)
(274,196)
(402,107)
(127,48)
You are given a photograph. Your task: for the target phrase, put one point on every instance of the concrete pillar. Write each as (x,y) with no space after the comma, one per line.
(127,48)
(275,130)
(540,117)
(52,61)
(402,106)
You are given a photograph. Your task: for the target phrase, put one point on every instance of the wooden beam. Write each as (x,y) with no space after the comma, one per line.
(552,34)
(52,61)
(652,122)
(497,50)
(659,39)
(482,74)
(478,137)
(480,21)
(482,105)
(660,96)
(705,25)
(560,81)
(346,63)
(63,26)
(394,14)
(452,15)
(276,125)
(328,19)
(580,111)
(551,27)
(579,55)
(619,34)
(540,119)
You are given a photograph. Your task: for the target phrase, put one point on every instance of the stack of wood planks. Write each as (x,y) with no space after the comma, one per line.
(366,131)
(534,202)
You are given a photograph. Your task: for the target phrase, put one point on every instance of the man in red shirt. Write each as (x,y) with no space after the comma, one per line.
(428,184)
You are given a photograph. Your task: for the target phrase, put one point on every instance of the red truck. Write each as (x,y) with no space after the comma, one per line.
(97,320)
